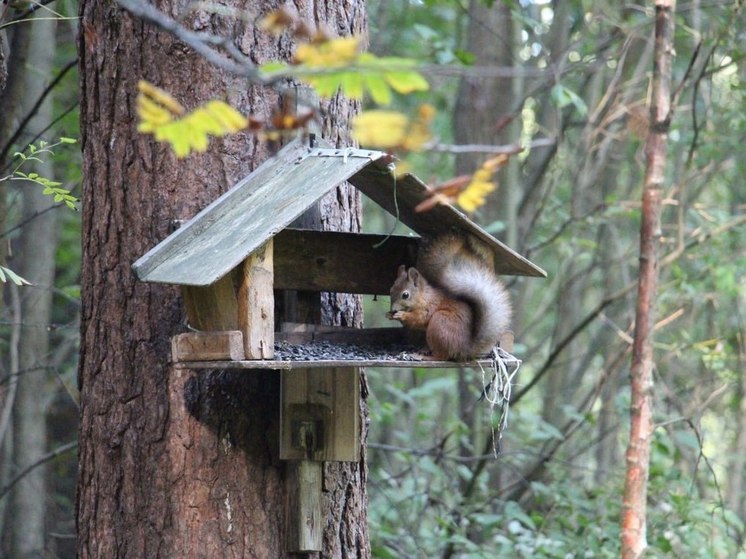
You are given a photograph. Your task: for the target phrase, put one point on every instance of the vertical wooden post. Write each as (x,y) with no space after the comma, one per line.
(256,304)
(303,512)
(319,421)
(320,415)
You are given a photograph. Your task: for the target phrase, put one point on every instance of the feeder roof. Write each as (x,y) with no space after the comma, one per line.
(223,234)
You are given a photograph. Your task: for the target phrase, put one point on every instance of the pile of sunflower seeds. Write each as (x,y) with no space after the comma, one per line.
(318,351)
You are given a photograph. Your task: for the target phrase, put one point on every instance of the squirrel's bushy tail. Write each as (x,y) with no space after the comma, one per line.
(452,264)
(488,298)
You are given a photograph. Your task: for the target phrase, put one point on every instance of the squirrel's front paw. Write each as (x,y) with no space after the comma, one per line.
(394,315)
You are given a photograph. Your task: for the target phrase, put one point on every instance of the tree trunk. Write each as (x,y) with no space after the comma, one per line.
(177,464)
(481,106)
(634,506)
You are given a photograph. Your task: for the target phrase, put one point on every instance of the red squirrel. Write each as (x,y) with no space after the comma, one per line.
(454,296)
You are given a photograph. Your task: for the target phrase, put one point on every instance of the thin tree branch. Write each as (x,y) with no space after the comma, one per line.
(202,43)
(487,148)
(40,462)
(19,130)
(582,325)
(37,5)
(30,218)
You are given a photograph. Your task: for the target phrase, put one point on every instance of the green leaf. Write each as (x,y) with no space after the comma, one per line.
(271,69)
(64,140)
(564,97)
(15,278)
(465,57)
(378,89)
(352,84)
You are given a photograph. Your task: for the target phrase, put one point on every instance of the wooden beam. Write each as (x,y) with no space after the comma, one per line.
(288,365)
(341,262)
(256,315)
(303,510)
(375,337)
(207,346)
(320,417)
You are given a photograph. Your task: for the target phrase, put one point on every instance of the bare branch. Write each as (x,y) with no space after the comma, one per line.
(19,130)
(202,43)
(487,148)
(40,462)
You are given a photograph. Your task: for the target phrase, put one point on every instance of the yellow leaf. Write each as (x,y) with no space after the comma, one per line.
(158,96)
(163,116)
(231,121)
(392,130)
(383,129)
(474,195)
(328,54)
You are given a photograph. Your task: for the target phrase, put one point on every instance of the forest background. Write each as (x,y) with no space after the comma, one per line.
(571,81)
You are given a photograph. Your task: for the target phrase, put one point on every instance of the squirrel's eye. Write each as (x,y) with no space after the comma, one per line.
(405,294)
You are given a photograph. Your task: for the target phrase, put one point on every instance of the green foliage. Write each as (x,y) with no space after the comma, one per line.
(366,74)
(554,491)
(51,188)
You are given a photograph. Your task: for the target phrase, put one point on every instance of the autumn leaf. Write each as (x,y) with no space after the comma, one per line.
(328,54)
(164,117)
(337,64)
(393,130)
(467,191)
(277,21)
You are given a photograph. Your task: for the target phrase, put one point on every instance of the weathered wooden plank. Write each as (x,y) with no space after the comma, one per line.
(303,510)
(211,307)
(207,346)
(320,417)
(256,303)
(286,365)
(340,262)
(375,182)
(219,237)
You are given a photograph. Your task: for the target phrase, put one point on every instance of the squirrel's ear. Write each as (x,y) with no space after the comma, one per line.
(401,271)
(414,275)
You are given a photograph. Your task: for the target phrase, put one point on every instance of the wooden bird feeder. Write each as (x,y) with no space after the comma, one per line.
(239,259)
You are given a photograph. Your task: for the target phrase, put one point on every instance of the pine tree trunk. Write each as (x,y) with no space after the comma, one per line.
(176,464)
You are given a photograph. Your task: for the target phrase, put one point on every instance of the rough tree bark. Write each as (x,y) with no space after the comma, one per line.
(634,505)
(176,464)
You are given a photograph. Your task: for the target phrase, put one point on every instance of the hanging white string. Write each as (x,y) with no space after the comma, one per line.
(498,391)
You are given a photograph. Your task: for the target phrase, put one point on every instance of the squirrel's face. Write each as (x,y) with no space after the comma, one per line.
(403,290)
